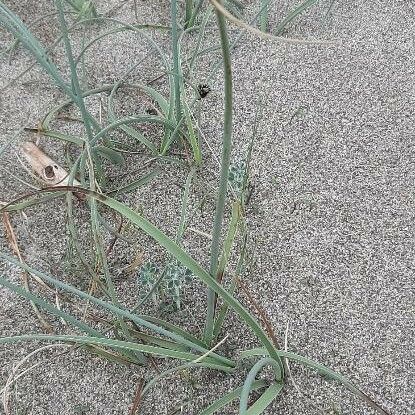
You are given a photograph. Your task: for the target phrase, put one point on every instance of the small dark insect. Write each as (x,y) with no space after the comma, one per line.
(151,111)
(203,90)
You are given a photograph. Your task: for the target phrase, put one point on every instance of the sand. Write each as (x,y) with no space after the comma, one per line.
(331,213)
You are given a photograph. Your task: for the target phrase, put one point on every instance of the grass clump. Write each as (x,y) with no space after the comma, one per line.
(136,337)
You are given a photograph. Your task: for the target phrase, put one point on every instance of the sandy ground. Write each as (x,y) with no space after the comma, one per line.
(331,213)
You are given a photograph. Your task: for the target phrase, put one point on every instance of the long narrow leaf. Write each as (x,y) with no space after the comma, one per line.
(321,369)
(161,101)
(135,184)
(60,136)
(134,119)
(224,171)
(264,15)
(291,16)
(49,307)
(175,329)
(117,344)
(125,27)
(14,25)
(250,379)
(176,58)
(229,397)
(265,399)
(173,249)
(116,310)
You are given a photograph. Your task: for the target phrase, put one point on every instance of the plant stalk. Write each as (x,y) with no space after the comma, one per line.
(223,184)
(189,10)
(176,59)
(264,15)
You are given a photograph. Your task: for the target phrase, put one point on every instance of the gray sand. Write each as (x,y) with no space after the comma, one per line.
(331,214)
